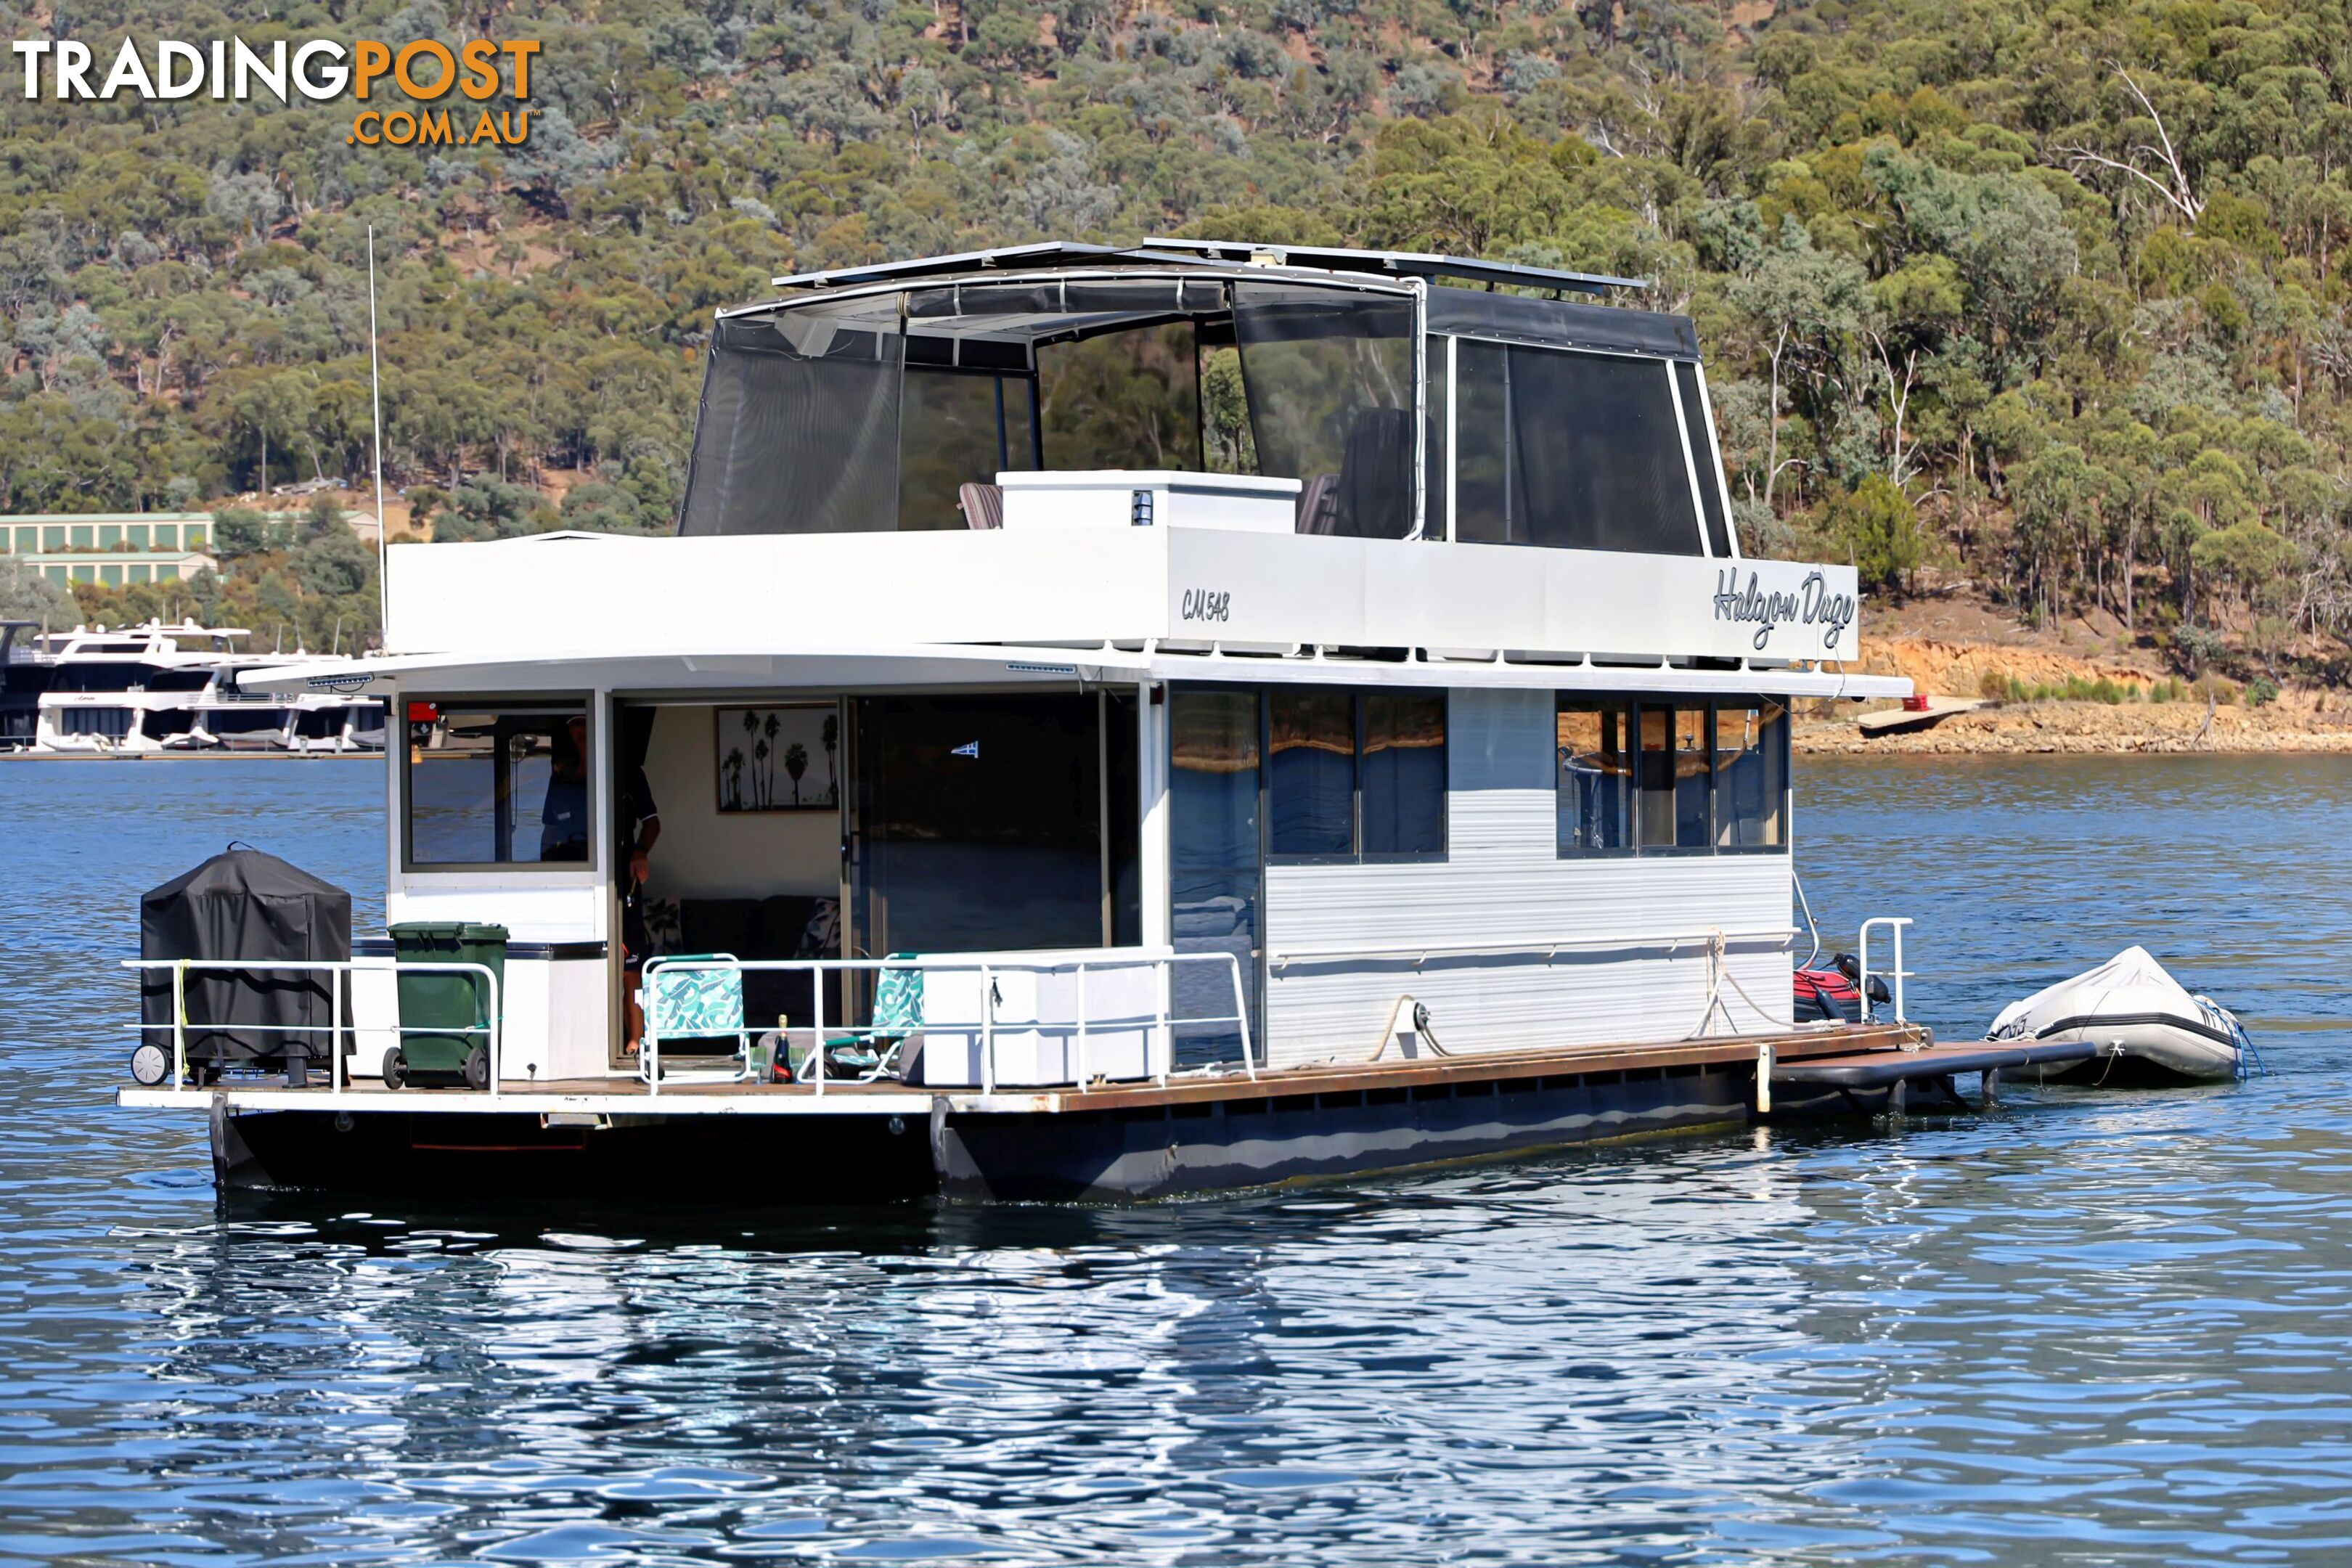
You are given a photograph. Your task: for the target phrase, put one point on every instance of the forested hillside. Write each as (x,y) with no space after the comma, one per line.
(2050,296)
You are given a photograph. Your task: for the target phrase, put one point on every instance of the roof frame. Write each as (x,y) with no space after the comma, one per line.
(1222,253)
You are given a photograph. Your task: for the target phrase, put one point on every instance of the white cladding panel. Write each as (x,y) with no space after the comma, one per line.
(1502,890)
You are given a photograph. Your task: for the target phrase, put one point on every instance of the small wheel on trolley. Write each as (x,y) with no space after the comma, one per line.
(395,1068)
(477,1067)
(150,1065)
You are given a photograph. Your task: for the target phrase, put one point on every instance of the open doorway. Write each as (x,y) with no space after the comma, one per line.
(939,824)
(993,823)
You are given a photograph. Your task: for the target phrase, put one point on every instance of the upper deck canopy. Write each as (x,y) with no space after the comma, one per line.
(889,398)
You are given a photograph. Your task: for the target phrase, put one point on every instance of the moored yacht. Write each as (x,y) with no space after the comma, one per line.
(1110,722)
(157,689)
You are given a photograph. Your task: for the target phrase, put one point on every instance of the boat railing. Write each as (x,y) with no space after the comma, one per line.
(337,1080)
(1897,975)
(1158,1023)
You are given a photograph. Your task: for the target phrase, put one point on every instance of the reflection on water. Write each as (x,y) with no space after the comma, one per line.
(2097,1328)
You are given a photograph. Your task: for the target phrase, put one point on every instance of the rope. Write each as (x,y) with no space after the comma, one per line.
(1420,1026)
(1718,973)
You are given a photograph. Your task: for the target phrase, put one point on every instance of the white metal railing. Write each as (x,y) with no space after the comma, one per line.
(1895,924)
(1160,1021)
(337,1079)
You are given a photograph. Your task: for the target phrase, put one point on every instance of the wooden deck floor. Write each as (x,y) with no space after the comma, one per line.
(840,1097)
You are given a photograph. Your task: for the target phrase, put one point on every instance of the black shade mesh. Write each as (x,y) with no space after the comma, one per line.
(796,434)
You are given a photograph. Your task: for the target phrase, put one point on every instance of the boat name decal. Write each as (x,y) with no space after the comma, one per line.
(1204,604)
(1812,604)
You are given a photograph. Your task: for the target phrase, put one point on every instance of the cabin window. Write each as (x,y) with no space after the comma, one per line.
(1751,774)
(1596,777)
(1355,776)
(1675,774)
(497,785)
(1575,451)
(1662,778)
(1403,772)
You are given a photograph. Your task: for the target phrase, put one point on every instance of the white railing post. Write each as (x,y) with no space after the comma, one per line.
(987,1031)
(1082,1025)
(1894,924)
(335,1033)
(496,1045)
(816,1051)
(180,1025)
(1241,1016)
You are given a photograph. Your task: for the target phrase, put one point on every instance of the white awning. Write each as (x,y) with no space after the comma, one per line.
(928,667)
(713,669)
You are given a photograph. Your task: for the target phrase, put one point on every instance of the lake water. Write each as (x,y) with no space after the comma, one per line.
(2095,1328)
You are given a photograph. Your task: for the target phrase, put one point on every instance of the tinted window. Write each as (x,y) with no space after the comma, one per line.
(1596,777)
(1356,775)
(1311,779)
(1751,774)
(1403,772)
(1573,450)
(1702,463)
(1654,778)
(497,786)
(1674,777)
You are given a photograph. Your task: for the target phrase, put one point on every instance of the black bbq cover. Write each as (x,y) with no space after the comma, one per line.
(244,904)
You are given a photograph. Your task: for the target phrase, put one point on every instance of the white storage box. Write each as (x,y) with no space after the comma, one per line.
(1036,1023)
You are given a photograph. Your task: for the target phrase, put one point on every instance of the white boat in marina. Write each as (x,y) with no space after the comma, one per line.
(2144,1023)
(158,690)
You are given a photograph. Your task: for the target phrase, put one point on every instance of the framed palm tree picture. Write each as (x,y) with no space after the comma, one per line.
(785,757)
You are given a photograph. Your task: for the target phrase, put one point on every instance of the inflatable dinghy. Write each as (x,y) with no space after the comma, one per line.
(2148,1028)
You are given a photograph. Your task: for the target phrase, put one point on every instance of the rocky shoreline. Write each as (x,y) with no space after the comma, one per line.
(2296,722)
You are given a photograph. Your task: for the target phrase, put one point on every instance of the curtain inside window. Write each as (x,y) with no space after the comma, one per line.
(1214,860)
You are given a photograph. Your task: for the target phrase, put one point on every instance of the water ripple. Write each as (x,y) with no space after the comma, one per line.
(2098,1328)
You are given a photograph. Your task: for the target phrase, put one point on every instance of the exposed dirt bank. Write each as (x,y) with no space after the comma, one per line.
(2297,721)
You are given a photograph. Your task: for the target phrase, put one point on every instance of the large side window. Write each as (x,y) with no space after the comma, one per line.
(1663,778)
(497,785)
(1355,776)
(1577,451)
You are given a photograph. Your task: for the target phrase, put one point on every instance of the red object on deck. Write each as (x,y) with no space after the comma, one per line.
(423,712)
(1917,704)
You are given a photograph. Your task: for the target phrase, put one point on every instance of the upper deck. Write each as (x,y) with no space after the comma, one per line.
(1177,447)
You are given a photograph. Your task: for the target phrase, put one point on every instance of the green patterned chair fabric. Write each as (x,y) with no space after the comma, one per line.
(686,1002)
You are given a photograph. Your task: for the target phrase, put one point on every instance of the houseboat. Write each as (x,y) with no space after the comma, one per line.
(160,689)
(1108,722)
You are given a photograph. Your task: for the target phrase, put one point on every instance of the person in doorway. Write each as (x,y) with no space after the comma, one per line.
(637,822)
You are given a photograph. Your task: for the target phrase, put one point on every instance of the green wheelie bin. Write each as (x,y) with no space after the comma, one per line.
(450,1001)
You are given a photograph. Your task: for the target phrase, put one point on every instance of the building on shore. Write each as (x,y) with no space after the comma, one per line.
(114,549)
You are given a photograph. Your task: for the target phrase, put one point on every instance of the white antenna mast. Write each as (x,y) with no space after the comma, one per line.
(375,402)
